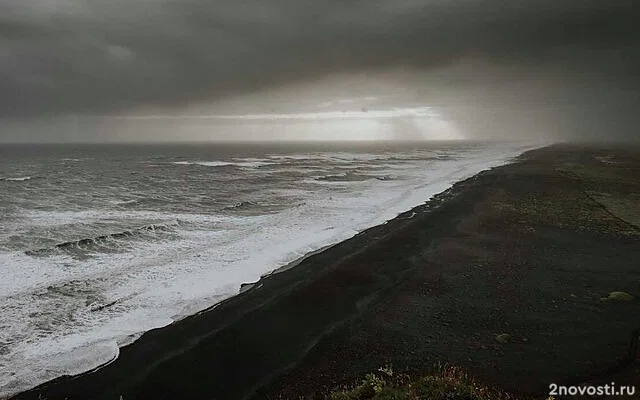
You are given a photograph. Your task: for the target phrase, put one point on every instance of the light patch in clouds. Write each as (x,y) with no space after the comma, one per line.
(119,54)
(348,101)
(425,112)
(407,124)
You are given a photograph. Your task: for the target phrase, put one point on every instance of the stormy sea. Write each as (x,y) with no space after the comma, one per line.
(101,243)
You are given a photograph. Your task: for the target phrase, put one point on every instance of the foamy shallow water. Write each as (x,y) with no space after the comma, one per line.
(68,308)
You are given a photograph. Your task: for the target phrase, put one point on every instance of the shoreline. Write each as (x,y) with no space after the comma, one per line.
(427,205)
(283,293)
(246,286)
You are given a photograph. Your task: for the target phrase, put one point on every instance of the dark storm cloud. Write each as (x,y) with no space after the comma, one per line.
(106,57)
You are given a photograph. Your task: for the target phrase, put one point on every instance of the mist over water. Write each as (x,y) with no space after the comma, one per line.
(99,244)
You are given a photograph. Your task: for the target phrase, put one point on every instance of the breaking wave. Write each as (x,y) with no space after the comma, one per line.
(246,163)
(99,243)
(17,179)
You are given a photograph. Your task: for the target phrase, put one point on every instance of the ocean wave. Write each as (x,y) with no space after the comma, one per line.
(345,157)
(345,177)
(253,162)
(16,179)
(204,163)
(248,163)
(241,205)
(124,202)
(97,243)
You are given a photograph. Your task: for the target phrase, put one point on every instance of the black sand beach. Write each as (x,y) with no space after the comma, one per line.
(531,249)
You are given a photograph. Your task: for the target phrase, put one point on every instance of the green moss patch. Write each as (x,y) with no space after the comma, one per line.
(503,338)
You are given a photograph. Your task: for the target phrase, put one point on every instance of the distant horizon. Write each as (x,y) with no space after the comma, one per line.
(617,141)
(285,142)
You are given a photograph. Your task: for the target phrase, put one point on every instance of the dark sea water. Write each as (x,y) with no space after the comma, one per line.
(101,243)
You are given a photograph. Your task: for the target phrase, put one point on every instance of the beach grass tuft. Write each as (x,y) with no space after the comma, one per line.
(448,382)
(620,296)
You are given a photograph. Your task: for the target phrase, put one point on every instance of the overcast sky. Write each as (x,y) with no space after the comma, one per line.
(118,70)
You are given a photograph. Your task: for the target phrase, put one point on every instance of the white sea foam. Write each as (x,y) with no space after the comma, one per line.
(204,163)
(16,179)
(57,218)
(239,162)
(60,315)
(123,202)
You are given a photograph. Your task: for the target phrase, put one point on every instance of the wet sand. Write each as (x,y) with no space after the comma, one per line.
(531,249)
